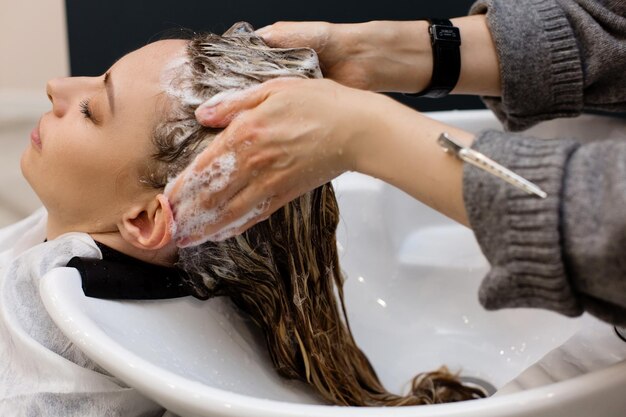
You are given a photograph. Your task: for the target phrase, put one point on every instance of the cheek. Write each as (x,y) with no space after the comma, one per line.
(70,173)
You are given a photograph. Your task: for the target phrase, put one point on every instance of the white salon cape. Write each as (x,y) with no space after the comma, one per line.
(42,373)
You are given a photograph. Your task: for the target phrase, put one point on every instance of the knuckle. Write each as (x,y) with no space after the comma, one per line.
(257,161)
(266,159)
(250,122)
(210,200)
(241,134)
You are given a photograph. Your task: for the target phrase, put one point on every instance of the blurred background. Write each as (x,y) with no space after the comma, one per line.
(42,39)
(33,48)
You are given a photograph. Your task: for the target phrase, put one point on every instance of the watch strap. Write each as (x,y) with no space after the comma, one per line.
(446,41)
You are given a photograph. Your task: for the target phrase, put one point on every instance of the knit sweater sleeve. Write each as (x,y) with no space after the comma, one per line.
(570,54)
(566,252)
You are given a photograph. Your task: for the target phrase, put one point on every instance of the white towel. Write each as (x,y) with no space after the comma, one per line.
(41,372)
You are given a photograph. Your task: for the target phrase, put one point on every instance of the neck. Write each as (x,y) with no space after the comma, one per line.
(165,256)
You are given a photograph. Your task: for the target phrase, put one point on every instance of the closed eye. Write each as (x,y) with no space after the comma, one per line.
(84,109)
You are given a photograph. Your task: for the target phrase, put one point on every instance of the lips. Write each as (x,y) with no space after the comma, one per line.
(35,137)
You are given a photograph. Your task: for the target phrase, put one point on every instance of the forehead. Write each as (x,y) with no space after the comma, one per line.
(152,57)
(138,76)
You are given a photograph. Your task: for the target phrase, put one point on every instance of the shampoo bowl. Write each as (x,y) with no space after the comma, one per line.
(411,295)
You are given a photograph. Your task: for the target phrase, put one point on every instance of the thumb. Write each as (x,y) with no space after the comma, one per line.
(219,110)
(274,35)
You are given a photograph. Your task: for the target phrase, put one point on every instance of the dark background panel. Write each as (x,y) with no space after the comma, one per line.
(100,32)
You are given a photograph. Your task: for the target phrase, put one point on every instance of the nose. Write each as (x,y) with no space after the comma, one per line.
(68,91)
(54,89)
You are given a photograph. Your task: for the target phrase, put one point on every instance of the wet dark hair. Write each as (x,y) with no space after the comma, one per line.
(283,272)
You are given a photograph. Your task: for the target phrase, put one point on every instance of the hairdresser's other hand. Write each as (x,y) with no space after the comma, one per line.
(286,136)
(377,56)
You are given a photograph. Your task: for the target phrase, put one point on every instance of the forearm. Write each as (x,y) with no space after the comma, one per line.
(480,68)
(401,148)
(398,55)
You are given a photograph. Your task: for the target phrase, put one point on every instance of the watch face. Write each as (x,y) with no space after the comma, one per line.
(446,33)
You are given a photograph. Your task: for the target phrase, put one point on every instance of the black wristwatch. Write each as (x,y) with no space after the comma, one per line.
(445,39)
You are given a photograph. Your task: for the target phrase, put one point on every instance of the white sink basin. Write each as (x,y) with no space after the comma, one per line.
(411,297)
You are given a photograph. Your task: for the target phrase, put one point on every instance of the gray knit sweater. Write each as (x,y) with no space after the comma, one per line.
(567,252)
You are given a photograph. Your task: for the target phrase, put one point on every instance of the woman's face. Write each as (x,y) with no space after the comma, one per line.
(87,155)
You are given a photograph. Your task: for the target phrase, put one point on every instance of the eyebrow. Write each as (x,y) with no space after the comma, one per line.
(108,84)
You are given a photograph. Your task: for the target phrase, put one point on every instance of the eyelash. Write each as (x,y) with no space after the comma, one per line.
(84,109)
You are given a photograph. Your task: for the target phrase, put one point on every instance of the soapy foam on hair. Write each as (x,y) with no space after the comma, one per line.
(198,183)
(230,229)
(176,82)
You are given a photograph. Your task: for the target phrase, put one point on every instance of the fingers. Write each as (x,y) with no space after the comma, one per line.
(223,107)
(236,229)
(253,203)
(276,144)
(218,182)
(247,208)
(295,35)
(209,171)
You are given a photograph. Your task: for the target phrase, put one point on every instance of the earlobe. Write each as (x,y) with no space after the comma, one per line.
(150,227)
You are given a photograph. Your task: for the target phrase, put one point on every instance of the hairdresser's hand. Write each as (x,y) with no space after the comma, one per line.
(377,56)
(284,138)
(392,55)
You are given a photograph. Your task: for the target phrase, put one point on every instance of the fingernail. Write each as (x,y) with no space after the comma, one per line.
(217,99)
(263,32)
(205,113)
(183,242)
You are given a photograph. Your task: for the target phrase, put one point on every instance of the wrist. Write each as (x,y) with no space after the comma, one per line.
(480,66)
(396,55)
(445,39)
(373,126)
(355,124)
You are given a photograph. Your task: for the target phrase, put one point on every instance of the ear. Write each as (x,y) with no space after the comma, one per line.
(150,226)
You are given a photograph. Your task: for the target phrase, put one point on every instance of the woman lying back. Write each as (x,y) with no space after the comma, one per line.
(100,162)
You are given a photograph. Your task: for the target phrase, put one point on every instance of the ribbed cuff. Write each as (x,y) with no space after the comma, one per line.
(540,64)
(519,233)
